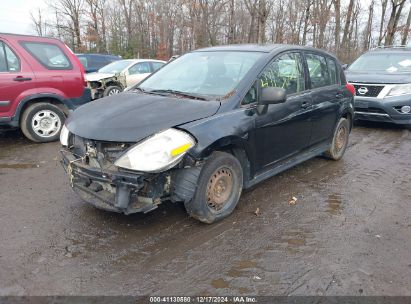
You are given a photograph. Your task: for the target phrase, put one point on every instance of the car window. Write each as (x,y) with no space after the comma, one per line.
(157,65)
(333,71)
(318,71)
(139,68)
(391,61)
(48,54)
(9,62)
(251,96)
(285,71)
(116,66)
(215,73)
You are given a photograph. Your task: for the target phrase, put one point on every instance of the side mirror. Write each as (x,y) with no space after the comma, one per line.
(344,66)
(272,95)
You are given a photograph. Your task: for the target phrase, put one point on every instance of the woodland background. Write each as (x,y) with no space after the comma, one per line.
(162,28)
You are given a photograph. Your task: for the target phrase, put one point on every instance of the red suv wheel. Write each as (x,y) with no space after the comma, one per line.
(42,122)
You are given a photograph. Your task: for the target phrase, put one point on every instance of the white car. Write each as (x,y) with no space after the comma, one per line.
(116,76)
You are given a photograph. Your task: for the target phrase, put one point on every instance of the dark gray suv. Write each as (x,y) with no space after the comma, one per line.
(382,81)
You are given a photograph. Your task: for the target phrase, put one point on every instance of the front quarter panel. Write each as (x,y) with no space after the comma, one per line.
(228,129)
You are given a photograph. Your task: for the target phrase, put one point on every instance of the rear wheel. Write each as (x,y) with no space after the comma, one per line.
(112,90)
(340,140)
(218,188)
(42,122)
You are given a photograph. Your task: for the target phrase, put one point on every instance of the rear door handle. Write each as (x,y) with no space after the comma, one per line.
(305,105)
(20,78)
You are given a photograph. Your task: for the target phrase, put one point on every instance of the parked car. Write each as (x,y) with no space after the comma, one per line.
(382,80)
(94,62)
(41,80)
(115,77)
(207,125)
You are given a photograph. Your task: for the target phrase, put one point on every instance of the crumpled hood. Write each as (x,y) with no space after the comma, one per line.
(98,76)
(130,117)
(375,77)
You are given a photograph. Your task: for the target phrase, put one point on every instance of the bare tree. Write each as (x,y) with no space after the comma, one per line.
(396,8)
(161,28)
(72,10)
(406,29)
(40,25)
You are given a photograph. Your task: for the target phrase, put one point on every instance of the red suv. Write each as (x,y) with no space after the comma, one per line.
(41,81)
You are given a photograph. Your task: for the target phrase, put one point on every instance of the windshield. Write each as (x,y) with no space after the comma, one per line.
(115,67)
(203,73)
(387,62)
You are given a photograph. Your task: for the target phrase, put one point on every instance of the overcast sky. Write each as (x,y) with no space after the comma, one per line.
(15,15)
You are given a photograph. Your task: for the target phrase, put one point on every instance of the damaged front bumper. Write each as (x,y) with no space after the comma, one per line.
(114,190)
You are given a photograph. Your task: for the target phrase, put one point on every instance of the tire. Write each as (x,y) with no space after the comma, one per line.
(112,90)
(340,140)
(218,190)
(42,122)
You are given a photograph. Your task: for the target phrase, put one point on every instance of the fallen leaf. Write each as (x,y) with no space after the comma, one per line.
(257,211)
(293,200)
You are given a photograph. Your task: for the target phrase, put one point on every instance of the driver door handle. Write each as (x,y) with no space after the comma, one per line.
(21,78)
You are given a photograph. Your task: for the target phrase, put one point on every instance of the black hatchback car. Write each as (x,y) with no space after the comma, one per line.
(382,80)
(207,125)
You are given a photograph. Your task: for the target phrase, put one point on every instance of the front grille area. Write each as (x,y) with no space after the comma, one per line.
(373,90)
(97,152)
(370,110)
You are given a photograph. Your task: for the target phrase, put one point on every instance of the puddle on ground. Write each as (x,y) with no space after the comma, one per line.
(334,204)
(296,242)
(18,166)
(238,269)
(245,264)
(219,283)
(243,290)
(293,241)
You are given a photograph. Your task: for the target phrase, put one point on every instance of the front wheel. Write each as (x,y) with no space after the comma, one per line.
(218,188)
(112,90)
(42,122)
(340,140)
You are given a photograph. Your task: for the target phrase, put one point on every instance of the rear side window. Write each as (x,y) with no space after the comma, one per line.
(9,62)
(48,54)
(156,65)
(317,67)
(333,71)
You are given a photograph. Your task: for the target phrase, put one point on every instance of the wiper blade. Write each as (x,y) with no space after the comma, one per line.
(184,94)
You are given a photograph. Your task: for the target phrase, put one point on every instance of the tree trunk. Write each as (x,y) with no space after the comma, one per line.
(406,31)
(397,6)
(337,8)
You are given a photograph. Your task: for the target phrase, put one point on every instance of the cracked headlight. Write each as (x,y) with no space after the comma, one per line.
(401,89)
(158,152)
(64,136)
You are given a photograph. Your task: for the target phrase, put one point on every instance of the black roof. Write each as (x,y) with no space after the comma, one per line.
(264,48)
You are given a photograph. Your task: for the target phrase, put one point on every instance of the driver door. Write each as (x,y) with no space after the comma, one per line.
(137,73)
(285,129)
